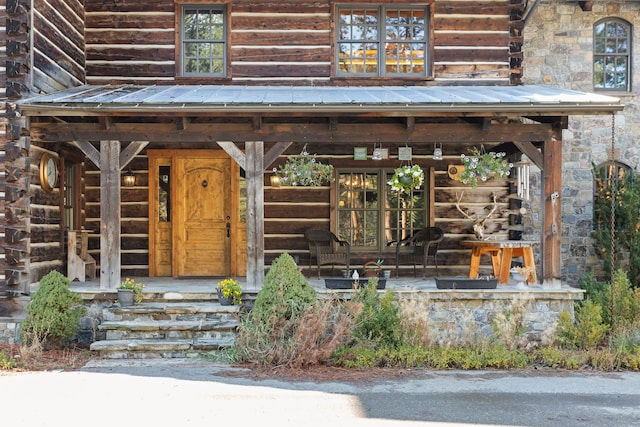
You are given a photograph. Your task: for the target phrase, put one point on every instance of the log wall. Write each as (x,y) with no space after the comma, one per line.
(58,45)
(291,42)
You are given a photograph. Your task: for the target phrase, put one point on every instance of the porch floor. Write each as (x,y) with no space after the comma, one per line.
(402,285)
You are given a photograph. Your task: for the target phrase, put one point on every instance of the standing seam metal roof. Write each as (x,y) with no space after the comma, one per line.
(207,98)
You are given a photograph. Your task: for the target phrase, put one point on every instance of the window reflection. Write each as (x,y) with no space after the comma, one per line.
(370,216)
(164,193)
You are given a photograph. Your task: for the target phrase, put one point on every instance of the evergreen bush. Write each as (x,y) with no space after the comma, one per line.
(54,313)
(379,323)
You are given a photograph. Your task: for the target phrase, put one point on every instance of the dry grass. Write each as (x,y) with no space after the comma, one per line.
(35,359)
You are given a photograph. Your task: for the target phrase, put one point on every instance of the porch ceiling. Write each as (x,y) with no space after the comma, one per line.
(182,100)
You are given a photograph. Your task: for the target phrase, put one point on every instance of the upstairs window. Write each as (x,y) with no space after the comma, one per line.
(203,41)
(611,55)
(377,41)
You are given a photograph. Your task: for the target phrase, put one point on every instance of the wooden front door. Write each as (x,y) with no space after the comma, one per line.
(195,225)
(202,206)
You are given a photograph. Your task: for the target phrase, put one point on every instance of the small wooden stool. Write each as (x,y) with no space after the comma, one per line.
(80,265)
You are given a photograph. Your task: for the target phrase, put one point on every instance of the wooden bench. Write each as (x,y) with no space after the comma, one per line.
(80,265)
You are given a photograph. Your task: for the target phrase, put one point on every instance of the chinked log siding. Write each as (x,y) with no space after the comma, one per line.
(134,232)
(58,45)
(291,42)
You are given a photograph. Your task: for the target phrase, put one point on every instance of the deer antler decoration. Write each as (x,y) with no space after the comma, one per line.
(477,221)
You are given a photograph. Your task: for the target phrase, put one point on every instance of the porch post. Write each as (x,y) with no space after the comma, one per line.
(552,211)
(254,173)
(109,214)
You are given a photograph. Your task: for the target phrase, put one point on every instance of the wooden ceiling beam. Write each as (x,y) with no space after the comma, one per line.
(304,132)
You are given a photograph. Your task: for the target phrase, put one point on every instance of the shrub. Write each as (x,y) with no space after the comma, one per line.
(588,331)
(379,323)
(288,326)
(285,293)
(54,313)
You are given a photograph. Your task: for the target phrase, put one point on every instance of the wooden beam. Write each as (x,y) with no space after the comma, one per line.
(256,121)
(236,154)
(110,268)
(90,151)
(255,213)
(411,123)
(298,132)
(274,152)
(530,150)
(131,151)
(552,211)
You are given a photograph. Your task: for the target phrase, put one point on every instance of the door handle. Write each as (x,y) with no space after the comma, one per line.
(228,229)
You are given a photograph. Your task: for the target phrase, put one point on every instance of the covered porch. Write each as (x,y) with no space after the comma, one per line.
(255,126)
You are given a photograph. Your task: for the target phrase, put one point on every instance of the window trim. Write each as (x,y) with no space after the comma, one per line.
(181,6)
(628,55)
(382,172)
(381,41)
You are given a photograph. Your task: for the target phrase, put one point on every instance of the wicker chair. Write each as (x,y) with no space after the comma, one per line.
(417,249)
(327,249)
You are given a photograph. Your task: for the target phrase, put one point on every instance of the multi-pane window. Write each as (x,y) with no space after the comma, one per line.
(203,39)
(611,55)
(370,216)
(377,41)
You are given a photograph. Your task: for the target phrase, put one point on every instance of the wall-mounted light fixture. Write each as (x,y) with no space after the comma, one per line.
(129,179)
(275,180)
(522,179)
(437,152)
(377,152)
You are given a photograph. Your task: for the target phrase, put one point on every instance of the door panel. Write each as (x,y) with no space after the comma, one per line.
(202,238)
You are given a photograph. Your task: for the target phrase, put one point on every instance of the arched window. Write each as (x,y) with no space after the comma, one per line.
(612,55)
(607,175)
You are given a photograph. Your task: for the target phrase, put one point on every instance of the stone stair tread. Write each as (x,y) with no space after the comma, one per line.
(179,308)
(160,345)
(165,325)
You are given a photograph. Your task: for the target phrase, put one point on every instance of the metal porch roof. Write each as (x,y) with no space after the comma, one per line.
(203,99)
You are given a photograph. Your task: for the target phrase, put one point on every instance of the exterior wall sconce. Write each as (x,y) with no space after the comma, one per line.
(437,152)
(129,179)
(522,179)
(275,180)
(377,153)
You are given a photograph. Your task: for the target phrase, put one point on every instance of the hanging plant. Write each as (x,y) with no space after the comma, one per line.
(406,178)
(304,170)
(480,165)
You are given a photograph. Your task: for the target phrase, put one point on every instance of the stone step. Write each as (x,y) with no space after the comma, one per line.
(169,329)
(155,349)
(173,311)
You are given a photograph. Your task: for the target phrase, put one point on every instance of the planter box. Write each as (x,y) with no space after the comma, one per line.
(465,283)
(347,283)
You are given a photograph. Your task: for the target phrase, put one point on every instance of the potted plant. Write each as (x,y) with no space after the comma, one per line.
(229,292)
(373,268)
(130,292)
(304,170)
(407,178)
(480,165)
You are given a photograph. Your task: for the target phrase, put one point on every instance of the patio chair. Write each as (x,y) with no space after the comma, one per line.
(327,249)
(417,249)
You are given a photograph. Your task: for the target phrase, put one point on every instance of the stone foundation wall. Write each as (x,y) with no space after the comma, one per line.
(469,317)
(558,51)
(9,332)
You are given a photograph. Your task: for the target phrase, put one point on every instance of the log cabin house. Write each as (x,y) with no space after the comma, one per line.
(199,101)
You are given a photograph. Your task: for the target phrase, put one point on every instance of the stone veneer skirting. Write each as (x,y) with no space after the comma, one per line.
(451,316)
(462,317)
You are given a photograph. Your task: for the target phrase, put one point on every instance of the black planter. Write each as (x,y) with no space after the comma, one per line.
(465,283)
(347,283)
